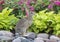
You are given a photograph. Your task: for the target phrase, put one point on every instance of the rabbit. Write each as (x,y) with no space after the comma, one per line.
(23,24)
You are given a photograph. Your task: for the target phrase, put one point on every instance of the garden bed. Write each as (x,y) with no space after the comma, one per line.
(41,18)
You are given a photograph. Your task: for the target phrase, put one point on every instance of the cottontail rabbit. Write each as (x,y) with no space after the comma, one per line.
(23,24)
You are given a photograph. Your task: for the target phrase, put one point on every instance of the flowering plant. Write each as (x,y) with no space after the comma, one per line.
(27,5)
(20,6)
(54,5)
(1,3)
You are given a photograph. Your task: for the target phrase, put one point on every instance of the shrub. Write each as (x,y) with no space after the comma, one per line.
(7,21)
(46,21)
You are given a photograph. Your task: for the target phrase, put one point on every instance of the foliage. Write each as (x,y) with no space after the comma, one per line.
(54,5)
(46,21)
(19,6)
(41,5)
(7,21)
(13,4)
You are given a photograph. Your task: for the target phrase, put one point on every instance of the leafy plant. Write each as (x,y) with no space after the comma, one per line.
(41,5)
(54,5)
(19,6)
(46,21)
(7,21)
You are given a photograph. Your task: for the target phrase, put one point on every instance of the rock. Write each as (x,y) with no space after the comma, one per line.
(17,40)
(38,39)
(24,40)
(20,39)
(30,35)
(43,35)
(17,35)
(31,40)
(6,38)
(52,37)
(51,41)
(6,33)
(59,41)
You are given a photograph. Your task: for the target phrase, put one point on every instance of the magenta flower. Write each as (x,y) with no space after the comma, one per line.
(21,2)
(31,8)
(50,6)
(35,1)
(28,2)
(1,1)
(22,9)
(57,3)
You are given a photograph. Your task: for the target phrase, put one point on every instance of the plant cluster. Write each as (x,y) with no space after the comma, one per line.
(7,21)
(41,5)
(19,6)
(54,5)
(42,21)
(46,21)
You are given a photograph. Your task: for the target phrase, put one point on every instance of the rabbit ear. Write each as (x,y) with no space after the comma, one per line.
(27,12)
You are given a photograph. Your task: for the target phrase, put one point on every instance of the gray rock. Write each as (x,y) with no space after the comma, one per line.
(52,37)
(20,39)
(17,35)
(39,40)
(59,41)
(6,38)
(6,33)
(31,40)
(30,35)
(17,40)
(51,41)
(24,40)
(43,35)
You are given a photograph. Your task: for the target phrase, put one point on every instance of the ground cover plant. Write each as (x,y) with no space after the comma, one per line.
(7,21)
(46,22)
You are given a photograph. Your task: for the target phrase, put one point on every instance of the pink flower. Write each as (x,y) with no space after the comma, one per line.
(57,3)
(50,6)
(21,2)
(31,8)
(35,1)
(1,1)
(28,2)
(22,9)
